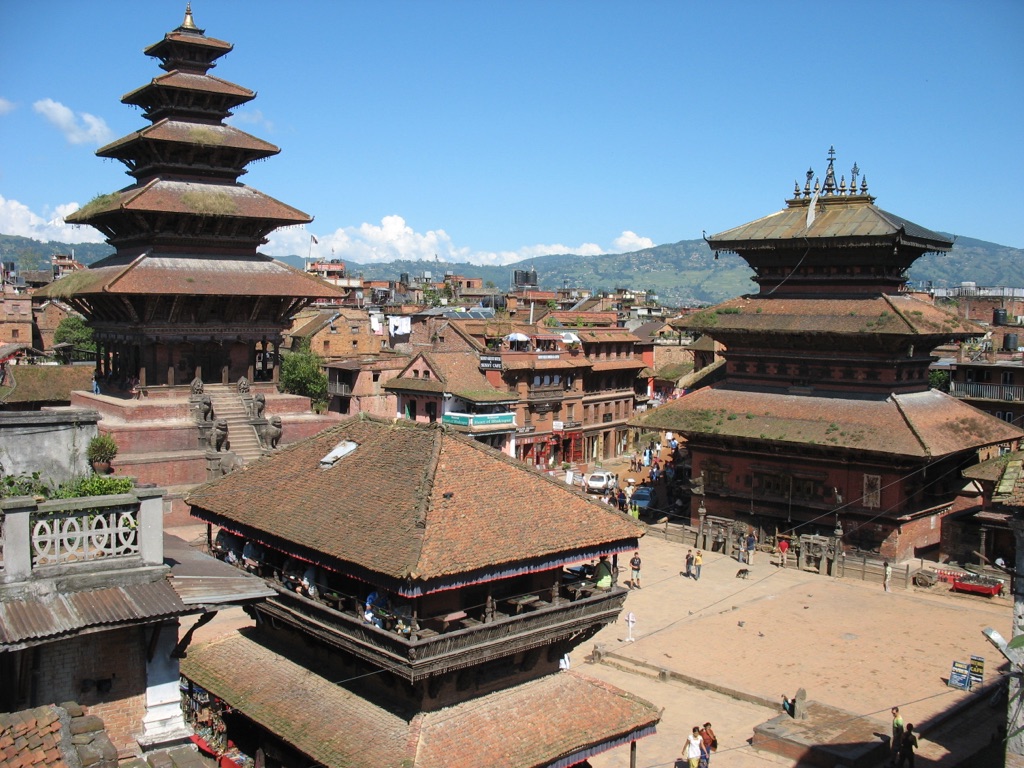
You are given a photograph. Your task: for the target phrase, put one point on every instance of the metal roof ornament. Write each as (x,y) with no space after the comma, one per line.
(864,185)
(807,184)
(854,172)
(189,23)
(830,174)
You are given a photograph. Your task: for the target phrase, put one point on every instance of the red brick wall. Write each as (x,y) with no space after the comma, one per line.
(117,655)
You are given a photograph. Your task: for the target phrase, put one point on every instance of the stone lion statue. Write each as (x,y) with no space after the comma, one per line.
(205,409)
(272,432)
(259,405)
(229,463)
(197,386)
(219,436)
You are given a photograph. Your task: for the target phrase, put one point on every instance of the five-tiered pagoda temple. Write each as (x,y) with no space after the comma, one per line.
(187,295)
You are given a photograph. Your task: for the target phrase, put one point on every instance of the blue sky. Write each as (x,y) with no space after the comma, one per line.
(493,131)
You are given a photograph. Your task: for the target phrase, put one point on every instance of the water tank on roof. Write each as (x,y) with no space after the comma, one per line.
(1010,342)
(404,278)
(998,317)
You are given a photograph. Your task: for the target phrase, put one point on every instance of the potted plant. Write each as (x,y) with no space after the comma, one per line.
(101,451)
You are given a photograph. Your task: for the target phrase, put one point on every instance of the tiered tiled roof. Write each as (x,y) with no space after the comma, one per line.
(187,274)
(881,315)
(559,719)
(921,424)
(419,506)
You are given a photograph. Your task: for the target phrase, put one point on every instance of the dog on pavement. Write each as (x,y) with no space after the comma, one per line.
(743,573)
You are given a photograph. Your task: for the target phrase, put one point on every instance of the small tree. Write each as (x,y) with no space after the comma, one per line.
(939,380)
(302,373)
(73,330)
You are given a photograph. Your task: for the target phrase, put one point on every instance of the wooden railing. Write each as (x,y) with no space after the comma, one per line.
(458,647)
(1007,392)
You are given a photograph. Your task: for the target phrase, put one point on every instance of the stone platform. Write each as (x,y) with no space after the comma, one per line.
(827,737)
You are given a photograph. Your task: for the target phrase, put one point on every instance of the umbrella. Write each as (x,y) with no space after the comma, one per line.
(517,337)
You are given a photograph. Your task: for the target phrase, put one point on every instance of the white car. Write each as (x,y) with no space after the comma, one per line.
(599,482)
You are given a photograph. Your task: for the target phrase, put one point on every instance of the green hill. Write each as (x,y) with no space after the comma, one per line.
(682,273)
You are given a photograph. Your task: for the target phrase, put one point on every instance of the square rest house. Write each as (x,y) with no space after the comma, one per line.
(423,604)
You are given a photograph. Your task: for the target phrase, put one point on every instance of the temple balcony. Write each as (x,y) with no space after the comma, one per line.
(71,538)
(456,639)
(1004,392)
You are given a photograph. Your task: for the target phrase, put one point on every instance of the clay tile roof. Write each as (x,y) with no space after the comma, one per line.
(533,720)
(187,274)
(190,82)
(922,424)
(193,133)
(416,503)
(618,365)
(604,334)
(44,383)
(32,738)
(458,373)
(169,196)
(900,315)
(515,362)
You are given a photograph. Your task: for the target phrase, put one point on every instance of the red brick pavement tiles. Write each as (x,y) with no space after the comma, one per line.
(851,645)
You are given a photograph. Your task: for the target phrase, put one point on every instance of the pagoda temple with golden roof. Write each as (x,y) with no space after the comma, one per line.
(187,295)
(825,419)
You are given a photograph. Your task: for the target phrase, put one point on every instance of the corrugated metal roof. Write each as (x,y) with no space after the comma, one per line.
(199,579)
(32,619)
(856,218)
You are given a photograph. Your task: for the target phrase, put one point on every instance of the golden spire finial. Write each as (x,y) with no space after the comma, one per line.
(188,23)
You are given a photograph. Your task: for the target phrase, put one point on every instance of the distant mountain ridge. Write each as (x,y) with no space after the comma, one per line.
(683,273)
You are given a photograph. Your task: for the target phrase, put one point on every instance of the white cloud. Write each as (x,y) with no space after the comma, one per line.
(6,107)
(82,128)
(17,219)
(629,241)
(394,239)
(251,117)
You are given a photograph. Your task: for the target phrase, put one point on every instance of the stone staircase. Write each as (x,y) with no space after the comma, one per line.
(228,405)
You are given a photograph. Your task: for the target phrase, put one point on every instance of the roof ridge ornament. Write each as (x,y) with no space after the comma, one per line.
(829,188)
(189,24)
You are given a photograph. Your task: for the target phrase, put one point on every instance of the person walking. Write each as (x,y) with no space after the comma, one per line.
(710,741)
(783,549)
(751,546)
(694,747)
(689,564)
(897,734)
(634,565)
(888,576)
(95,385)
(698,561)
(907,746)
